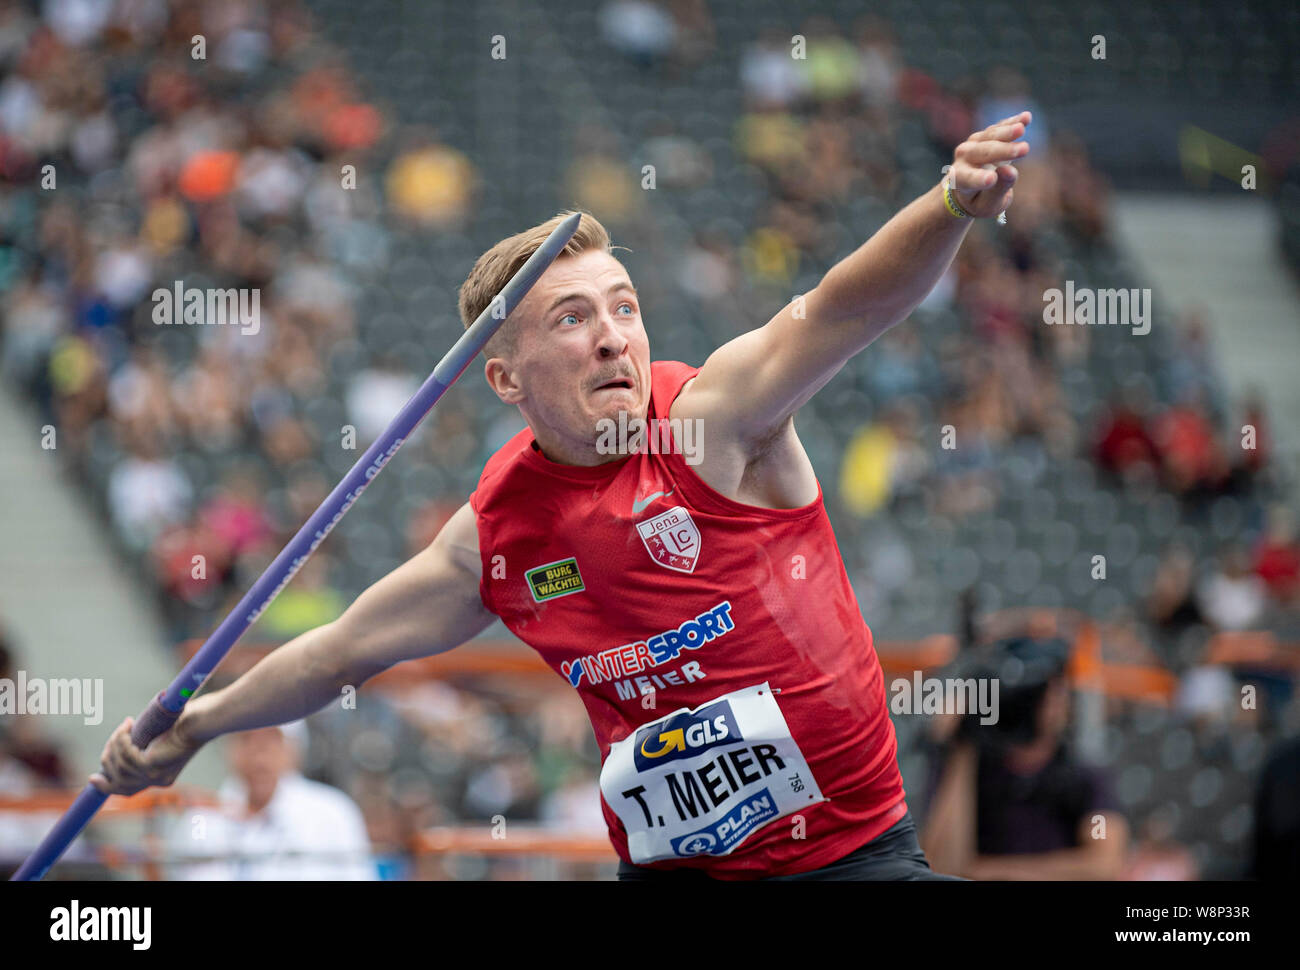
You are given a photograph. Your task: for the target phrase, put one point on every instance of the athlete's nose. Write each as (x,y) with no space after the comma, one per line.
(610,340)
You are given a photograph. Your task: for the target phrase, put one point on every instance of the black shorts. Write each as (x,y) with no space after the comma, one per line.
(894,855)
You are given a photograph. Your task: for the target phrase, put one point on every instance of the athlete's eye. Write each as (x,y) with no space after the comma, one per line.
(567,316)
(631,309)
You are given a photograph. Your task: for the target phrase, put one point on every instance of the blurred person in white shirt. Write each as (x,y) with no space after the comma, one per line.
(1233,597)
(273,822)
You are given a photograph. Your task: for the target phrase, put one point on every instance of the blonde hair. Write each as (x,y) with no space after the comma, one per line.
(494,268)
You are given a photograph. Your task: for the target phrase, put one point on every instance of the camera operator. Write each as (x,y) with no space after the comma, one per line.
(1010,800)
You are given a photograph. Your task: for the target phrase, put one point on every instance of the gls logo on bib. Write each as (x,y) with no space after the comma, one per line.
(685,735)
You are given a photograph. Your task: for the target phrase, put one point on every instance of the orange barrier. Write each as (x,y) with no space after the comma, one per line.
(1087,669)
(477,658)
(1254,649)
(147,802)
(503,657)
(1085,663)
(516,840)
(901,658)
(142,804)
(1130,682)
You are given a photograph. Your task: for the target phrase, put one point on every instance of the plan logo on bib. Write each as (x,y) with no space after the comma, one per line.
(672,539)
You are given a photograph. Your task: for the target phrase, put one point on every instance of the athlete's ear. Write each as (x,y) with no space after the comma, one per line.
(502,380)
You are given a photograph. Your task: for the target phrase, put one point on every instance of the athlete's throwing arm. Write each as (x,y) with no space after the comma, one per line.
(750,388)
(426,606)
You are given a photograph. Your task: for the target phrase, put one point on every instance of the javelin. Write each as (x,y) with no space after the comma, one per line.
(163,711)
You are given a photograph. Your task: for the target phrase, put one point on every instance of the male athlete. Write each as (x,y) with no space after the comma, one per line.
(701,611)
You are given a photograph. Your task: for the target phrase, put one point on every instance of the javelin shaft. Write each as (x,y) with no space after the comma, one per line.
(163,711)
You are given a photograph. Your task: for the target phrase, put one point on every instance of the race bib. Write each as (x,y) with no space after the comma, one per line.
(702,781)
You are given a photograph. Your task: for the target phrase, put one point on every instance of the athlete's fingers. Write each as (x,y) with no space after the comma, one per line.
(999,128)
(123,760)
(975,164)
(969,180)
(1024,117)
(130,755)
(990,152)
(972,178)
(999,133)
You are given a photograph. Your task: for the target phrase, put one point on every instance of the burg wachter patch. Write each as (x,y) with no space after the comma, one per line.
(555,579)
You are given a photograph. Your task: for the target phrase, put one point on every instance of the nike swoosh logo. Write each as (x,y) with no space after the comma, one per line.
(638,506)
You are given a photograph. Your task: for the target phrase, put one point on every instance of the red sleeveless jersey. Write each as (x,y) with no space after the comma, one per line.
(722,657)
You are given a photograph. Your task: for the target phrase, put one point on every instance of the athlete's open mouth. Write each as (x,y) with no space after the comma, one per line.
(622,382)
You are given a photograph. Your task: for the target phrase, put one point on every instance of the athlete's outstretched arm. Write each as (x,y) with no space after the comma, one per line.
(428,605)
(754,383)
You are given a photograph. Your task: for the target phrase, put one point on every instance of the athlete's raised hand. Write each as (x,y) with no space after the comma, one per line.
(982,174)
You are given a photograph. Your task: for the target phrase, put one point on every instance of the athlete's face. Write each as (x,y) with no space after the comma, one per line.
(581,356)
